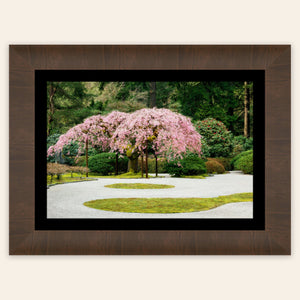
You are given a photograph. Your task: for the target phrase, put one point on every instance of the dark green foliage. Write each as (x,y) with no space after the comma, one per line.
(191,164)
(80,161)
(69,103)
(217,139)
(52,140)
(123,164)
(213,166)
(205,148)
(220,100)
(237,157)
(104,163)
(245,163)
(69,152)
(242,143)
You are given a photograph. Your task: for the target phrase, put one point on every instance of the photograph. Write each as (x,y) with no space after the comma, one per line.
(150,149)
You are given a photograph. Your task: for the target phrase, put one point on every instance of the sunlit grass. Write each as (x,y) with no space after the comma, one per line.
(139,186)
(129,175)
(65,178)
(166,205)
(81,177)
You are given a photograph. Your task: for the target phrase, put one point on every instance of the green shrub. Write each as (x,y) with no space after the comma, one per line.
(101,163)
(205,148)
(224,161)
(241,143)
(245,163)
(237,157)
(216,139)
(123,164)
(191,164)
(213,166)
(104,163)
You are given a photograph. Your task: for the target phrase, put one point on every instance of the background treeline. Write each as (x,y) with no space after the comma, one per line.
(222,112)
(69,103)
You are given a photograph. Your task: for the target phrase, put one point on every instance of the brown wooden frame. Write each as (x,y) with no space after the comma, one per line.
(274,59)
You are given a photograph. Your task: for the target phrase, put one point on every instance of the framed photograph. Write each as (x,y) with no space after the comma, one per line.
(153,150)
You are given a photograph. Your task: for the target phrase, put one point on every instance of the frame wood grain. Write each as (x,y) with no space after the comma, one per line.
(274,59)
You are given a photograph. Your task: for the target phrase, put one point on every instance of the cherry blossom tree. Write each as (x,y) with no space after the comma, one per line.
(165,132)
(95,131)
(160,131)
(112,121)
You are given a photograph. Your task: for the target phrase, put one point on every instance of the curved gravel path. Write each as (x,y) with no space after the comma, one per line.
(66,200)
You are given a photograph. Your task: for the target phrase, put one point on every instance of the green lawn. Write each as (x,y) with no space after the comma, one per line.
(139,186)
(166,205)
(203,176)
(128,175)
(77,177)
(66,178)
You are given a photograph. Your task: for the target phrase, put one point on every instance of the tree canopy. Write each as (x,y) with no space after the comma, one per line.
(165,132)
(70,103)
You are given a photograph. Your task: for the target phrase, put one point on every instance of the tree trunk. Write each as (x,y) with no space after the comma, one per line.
(52,92)
(146,165)
(133,165)
(152,94)
(117,164)
(87,156)
(246,111)
(250,118)
(156,167)
(142,165)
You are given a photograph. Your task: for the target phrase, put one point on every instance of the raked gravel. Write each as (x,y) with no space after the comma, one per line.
(66,200)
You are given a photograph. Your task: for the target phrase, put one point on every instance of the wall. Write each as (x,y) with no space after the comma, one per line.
(151,22)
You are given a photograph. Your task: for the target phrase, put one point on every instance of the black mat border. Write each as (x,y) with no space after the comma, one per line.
(41,221)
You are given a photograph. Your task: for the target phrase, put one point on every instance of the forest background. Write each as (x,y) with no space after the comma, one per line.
(69,103)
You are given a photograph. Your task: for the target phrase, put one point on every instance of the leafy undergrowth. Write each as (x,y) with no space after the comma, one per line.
(139,186)
(166,205)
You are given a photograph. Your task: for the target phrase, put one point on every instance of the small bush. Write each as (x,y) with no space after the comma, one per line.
(245,163)
(101,163)
(224,161)
(216,139)
(78,169)
(56,169)
(213,166)
(237,157)
(189,165)
(104,163)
